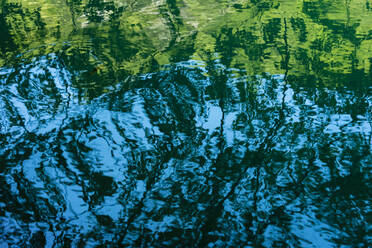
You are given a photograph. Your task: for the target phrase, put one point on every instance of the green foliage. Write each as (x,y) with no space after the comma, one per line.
(322,37)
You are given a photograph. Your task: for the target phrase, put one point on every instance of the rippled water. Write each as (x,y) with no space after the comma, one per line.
(185,123)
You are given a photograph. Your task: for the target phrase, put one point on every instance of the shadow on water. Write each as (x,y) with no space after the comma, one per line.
(185,124)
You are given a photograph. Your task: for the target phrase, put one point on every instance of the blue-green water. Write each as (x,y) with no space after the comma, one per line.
(185,123)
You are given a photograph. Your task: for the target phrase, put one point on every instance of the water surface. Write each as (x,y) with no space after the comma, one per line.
(185,123)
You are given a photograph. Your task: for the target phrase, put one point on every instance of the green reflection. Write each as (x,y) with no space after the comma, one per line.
(185,123)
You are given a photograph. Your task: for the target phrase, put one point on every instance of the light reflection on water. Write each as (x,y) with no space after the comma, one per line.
(214,135)
(162,156)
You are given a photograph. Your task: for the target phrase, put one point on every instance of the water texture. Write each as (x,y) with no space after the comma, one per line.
(179,123)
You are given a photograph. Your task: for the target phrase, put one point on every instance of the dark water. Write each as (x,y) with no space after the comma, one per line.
(185,123)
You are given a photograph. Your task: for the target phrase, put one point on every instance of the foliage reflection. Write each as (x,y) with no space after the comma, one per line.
(185,123)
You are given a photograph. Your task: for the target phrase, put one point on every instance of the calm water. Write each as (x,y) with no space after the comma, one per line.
(180,123)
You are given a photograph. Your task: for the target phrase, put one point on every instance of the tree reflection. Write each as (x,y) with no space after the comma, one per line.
(103,145)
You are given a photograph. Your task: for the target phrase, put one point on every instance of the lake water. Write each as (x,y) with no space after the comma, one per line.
(179,123)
